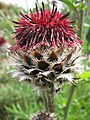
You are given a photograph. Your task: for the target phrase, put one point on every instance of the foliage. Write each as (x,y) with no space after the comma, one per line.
(21,102)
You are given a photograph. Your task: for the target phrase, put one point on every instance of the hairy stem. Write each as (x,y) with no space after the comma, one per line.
(50,101)
(48,97)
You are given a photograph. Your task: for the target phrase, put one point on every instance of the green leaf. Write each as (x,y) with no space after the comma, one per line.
(80,5)
(84,8)
(85,75)
(86,25)
(73,0)
(71,5)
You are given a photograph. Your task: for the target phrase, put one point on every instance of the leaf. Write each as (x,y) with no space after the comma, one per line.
(73,0)
(17,110)
(84,8)
(71,5)
(85,75)
(86,25)
(9,109)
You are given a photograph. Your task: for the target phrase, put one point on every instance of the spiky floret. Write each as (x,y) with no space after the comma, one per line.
(44,116)
(46,27)
(47,66)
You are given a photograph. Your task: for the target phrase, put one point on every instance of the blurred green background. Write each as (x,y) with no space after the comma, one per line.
(19,101)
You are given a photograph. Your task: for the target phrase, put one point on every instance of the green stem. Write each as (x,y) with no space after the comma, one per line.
(80,23)
(72,90)
(27,5)
(48,3)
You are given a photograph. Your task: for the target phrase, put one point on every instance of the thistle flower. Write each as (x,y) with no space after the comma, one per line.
(50,28)
(45,52)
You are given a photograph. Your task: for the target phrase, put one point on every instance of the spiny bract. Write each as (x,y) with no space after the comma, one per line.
(45,66)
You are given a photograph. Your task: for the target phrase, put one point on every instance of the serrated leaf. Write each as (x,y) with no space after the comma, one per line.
(14,108)
(9,109)
(19,107)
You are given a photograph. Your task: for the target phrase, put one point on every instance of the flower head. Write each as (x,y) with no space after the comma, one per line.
(44,27)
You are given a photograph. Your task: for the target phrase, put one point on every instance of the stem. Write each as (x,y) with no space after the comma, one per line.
(48,97)
(50,101)
(48,3)
(27,5)
(80,23)
(72,90)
